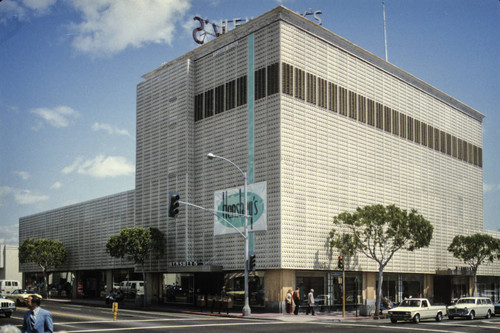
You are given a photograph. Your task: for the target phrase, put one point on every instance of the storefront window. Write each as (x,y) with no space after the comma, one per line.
(178,288)
(353,285)
(489,287)
(235,288)
(460,287)
(328,288)
(306,283)
(397,287)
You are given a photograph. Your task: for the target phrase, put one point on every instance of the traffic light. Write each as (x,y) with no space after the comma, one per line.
(251,262)
(173,208)
(341,263)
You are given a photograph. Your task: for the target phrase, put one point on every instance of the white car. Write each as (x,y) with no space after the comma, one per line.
(7,307)
(415,309)
(471,307)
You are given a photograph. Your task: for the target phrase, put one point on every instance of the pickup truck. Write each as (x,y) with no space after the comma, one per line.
(415,309)
(7,307)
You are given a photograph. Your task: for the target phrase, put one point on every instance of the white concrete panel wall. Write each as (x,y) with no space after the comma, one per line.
(342,164)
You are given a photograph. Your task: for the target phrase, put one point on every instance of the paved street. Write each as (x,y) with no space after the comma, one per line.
(70,317)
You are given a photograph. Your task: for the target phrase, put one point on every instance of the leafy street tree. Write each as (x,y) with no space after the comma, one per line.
(474,250)
(378,232)
(46,253)
(137,244)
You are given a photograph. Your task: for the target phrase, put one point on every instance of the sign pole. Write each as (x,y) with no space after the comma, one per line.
(343,293)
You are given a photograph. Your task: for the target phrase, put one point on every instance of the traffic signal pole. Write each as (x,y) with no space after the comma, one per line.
(343,293)
(341,266)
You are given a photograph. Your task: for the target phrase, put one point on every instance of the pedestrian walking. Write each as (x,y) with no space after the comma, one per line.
(288,301)
(296,300)
(310,302)
(36,319)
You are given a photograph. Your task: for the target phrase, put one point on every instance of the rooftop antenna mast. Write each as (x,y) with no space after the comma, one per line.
(385,34)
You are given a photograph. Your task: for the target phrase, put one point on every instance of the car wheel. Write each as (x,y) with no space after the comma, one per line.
(488,315)
(472,315)
(18,303)
(451,317)
(416,319)
(8,314)
(394,320)
(439,316)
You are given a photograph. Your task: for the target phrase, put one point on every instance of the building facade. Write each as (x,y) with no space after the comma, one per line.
(9,263)
(327,127)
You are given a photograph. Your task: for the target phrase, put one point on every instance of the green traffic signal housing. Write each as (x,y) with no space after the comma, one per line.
(251,262)
(173,208)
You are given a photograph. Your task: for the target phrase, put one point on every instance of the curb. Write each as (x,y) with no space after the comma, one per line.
(258,315)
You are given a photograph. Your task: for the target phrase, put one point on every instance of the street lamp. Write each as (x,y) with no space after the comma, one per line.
(246,307)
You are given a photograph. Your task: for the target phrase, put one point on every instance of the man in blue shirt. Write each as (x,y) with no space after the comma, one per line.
(36,319)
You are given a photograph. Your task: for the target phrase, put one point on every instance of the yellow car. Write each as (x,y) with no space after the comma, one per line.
(20,296)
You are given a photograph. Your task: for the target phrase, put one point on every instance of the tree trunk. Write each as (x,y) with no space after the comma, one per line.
(379,289)
(46,282)
(475,283)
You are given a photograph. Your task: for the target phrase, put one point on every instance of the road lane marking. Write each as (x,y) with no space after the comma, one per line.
(177,326)
(125,321)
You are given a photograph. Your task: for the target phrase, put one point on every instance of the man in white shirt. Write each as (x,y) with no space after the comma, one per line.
(310,302)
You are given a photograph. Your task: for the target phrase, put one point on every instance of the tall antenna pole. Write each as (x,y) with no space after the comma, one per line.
(385,34)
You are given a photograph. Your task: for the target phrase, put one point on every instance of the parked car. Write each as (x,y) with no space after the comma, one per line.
(132,288)
(415,309)
(497,307)
(321,299)
(7,307)
(471,307)
(116,286)
(20,296)
(8,286)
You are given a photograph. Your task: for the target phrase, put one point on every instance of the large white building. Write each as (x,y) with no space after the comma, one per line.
(324,127)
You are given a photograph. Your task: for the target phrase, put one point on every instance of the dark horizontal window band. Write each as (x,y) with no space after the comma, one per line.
(233,94)
(328,95)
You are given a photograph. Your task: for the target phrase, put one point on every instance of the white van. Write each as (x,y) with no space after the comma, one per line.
(8,286)
(136,287)
(132,288)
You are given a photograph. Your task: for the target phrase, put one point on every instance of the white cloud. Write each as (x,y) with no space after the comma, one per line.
(491,187)
(72,167)
(24,9)
(110,129)
(110,26)
(22,197)
(60,116)
(9,235)
(39,5)
(102,167)
(56,185)
(4,192)
(23,174)
(27,197)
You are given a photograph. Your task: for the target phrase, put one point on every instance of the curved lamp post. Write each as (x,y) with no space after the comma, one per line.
(246,307)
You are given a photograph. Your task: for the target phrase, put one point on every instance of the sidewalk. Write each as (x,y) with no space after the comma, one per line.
(235,313)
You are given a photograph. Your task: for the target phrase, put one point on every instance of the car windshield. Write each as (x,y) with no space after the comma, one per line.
(466,301)
(410,303)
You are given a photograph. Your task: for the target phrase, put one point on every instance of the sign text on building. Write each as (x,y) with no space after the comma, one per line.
(232,201)
(207,28)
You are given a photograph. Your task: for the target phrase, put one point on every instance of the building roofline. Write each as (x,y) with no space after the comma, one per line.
(79,204)
(282,13)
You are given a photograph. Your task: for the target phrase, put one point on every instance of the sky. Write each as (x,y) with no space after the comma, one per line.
(69,71)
